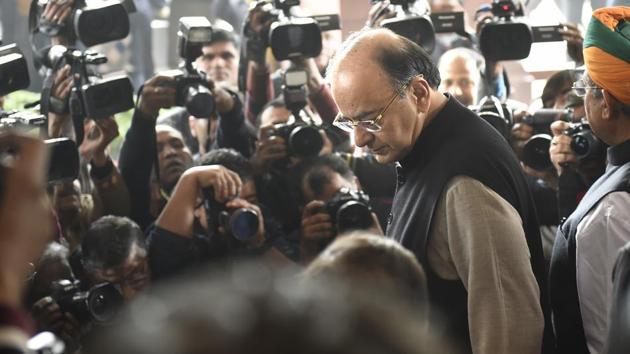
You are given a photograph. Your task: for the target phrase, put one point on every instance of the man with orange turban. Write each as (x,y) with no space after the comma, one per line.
(587,243)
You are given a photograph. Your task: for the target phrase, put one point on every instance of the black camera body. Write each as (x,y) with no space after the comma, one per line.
(92,96)
(242,224)
(193,92)
(101,23)
(505,35)
(350,210)
(417,28)
(191,87)
(536,149)
(99,304)
(13,70)
(295,37)
(302,139)
(584,143)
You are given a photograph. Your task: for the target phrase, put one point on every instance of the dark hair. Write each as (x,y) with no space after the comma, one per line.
(315,173)
(108,242)
(230,159)
(401,61)
(277,102)
(555,85)
(221,35)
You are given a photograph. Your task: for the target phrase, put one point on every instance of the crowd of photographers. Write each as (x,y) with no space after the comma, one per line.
(234,181)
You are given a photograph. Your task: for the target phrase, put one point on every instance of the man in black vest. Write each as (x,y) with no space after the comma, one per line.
(587,243)
(462,204)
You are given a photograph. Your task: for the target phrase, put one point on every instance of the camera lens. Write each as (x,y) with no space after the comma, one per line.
(353,215)
(582,143)
(104,302)
(244,224)
(306,141)
(536,152)
(199,101)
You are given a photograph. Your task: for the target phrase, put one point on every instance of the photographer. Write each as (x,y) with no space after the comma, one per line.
(181,238)
(114,251)
(219,62)
(103,192)
(53,266)
(262,86)
(320,180)
(142,144)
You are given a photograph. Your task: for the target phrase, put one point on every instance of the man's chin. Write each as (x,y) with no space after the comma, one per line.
(384,158)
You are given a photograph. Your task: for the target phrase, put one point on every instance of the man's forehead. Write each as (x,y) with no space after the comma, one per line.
(168,134)
(219,47)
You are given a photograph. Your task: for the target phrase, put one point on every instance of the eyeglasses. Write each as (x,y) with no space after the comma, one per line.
(579,87)
(371,125)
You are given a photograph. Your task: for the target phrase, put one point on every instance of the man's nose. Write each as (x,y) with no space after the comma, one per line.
(362,137)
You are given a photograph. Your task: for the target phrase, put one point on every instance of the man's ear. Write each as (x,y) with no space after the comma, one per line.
(609,105)
(421,94)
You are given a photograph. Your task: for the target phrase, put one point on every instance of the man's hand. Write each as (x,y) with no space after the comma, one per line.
(259,239)
(49,317)
(156,94)
(25,214)
(225,183)
(224,100)
(317,229)
(572,34)
(269,149)
(257,24)
(315,78)
(560,149)
(98,135)
(60,90)
(57,13)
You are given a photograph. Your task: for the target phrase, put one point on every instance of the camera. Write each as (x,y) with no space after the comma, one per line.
(13,70)
(99,304)
(294,37)
(496,113)
(302,139)
(421,28)
(536,149)
(350,210)
(505,35)
(191,88)
(241,223)
(93,24)
(92,96)
(584,143)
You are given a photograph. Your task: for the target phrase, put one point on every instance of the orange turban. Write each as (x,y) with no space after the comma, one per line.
(607,50)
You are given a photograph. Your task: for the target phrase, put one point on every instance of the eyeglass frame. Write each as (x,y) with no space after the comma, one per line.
(376,121)
(577,89)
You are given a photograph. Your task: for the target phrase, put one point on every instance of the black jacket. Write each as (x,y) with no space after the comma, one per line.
(458,143)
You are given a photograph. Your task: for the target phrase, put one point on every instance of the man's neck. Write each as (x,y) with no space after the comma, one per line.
(437,103)
(621,133)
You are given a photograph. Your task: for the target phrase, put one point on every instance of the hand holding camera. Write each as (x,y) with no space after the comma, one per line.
(560,150)
(317,230)
(60,91)
(98,135)
(156,95)
(256,30)
(49,317)
(269,149)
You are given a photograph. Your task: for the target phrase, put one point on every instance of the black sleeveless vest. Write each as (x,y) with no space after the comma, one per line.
(562,278)
(458,142)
